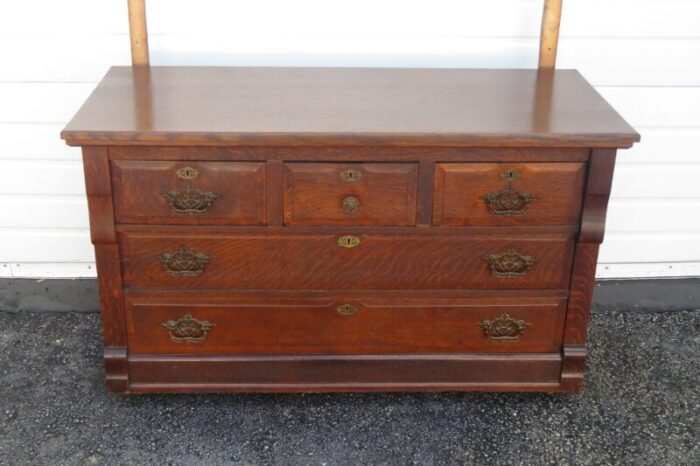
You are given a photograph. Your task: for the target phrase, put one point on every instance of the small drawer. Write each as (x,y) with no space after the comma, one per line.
(474,194)
(345,259)
(235,324)
(350,193)
(203,193)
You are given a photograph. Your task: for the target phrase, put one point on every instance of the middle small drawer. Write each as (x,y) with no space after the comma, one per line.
(350,193)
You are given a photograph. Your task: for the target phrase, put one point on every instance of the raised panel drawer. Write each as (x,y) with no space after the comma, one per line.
(483,194)
(350,193)
(352,324)
(345,259)
(203,193)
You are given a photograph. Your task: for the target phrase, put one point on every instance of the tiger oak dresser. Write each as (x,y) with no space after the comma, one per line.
(301,229)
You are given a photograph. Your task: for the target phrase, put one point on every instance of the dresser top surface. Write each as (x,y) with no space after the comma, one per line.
(347,106)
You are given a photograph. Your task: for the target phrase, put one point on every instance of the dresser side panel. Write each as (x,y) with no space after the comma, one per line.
(103,235)
(595,203)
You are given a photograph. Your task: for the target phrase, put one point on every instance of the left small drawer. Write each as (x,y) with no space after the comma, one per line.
(213,193)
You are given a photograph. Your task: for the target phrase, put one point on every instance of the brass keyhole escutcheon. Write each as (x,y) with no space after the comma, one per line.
(187,173)
(348,241)
(511,175)
(346,309)
(351,204)
(351,175)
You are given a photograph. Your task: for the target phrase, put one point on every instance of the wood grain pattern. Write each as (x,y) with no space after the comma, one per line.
(116,369)
(341,107)
(244,325)
(430,144)
(549,33)
(345,154)
(460,189)
(275,195)
(309,259)
(385,194)
(140,188)
(138,32)
(599,184)
(595,204)
(426,187)
(102,232)
(320,373)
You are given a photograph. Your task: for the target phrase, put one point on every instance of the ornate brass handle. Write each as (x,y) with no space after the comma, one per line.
(510,264)
(184,262)
(346,309)
(348,241)
(190,201)
(508,201)
(351,204)
(504,327)
(187,329)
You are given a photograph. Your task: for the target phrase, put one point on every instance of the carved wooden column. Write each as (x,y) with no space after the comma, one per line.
(99,192)
(595,205)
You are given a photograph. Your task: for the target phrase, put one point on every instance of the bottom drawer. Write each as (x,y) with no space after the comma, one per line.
(337,324)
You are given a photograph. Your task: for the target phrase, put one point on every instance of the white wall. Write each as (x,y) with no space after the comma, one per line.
(642,55)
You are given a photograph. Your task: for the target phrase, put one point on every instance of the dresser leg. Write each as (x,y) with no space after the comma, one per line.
(116,370)
(573,367)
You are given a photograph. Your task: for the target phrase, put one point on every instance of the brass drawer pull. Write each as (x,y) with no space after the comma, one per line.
(187,329)
(508,201)
(351,175)
(190,201)
(348,241)
(346,309)
(510,264)
(351,204)
(504,327)
(184,262)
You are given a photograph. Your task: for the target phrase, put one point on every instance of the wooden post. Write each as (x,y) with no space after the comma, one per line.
(549,35)
(138,32)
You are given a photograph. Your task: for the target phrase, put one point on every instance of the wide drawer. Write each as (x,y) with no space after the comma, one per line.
(350,193)
(352,324)
(476,194)
(189,192)
(344,259)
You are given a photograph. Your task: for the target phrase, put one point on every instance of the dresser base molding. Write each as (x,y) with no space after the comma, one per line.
(116,369)
(356,373)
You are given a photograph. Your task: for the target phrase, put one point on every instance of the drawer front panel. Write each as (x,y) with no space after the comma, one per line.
(353,325)
(346,260)
(350,193)
(189,192)
(480,194)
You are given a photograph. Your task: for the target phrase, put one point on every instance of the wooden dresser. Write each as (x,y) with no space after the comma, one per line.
(291,229)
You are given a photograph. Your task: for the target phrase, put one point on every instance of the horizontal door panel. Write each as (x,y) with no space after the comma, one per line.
(476,194)
(350,325)
(350,193)
(345,259)
(189,192)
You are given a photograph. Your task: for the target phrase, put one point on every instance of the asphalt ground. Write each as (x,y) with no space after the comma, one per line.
(639,406)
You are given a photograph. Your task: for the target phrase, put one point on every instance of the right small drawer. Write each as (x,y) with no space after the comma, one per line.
(479,194)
